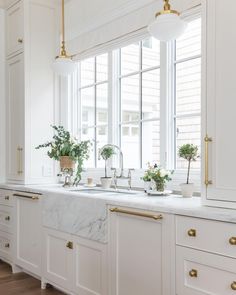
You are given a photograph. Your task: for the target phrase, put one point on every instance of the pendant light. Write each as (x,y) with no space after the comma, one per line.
(63,64)
(168,24)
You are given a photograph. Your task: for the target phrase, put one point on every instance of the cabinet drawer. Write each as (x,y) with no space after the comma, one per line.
(5,246)
(199,273)
(6,197)
(5,219)
(207,235)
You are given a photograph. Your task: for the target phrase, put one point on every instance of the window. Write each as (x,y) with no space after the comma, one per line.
(94,103)
(156,97)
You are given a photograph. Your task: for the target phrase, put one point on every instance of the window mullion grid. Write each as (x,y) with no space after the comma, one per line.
(95,113)
(140,104)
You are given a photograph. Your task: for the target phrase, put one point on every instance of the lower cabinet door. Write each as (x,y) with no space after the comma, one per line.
(58,258)
(5,246)
(140,251)
(90,267)
(201,273)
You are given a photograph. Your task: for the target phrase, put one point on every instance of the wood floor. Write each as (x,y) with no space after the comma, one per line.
(21,283)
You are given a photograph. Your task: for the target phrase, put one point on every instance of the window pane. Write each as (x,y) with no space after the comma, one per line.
(130,99)
(190,43)
(188,131)
(87,72)
(102,104)
(150,53)
(130,145)
(89,134)
(151,143)
(88,106)
(102,67)
(151,94)
(188,87)
(130,59)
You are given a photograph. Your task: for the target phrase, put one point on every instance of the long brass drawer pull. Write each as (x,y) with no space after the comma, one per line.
(233,286)
(193,273)
(232,241)
(155,217)
(20,160)
(192,232)
(207,141)
(31,197)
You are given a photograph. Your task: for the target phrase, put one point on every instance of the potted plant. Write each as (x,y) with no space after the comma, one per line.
(68,151)
(106,153)
(188,152)
(147,179)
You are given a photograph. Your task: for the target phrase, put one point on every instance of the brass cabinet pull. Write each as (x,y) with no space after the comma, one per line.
(233,286)
(7,198)
(31,197)
(232,241)
(7,245)
(70,245)
(207,141)
(7,218)
(193,273)
(192,232)
(20,40)
(19,155)
(155,217)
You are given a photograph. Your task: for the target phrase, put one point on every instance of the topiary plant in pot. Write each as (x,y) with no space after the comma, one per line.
(188,152)
(68,151)
(106,153)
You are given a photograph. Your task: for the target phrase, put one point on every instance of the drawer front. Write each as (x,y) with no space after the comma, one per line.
(6,197)
(207,235)
(199,273)
(5,246)
(6,219)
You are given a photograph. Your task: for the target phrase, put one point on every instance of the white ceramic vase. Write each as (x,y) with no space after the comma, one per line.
(106,182)
(187,189)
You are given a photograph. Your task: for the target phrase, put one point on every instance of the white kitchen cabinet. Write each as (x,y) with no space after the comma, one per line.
(140,252)
(28,232)
(74,264)
(219,103)
(30,87)
(14,29)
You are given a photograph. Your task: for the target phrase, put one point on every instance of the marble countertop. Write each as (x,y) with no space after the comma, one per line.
(86,214)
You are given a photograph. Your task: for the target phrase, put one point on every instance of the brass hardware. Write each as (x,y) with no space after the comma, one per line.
(7,245)
(7,218)
(19,155)
(207,141)
(167,9)
(155,217)
(28,196)
(233,286)
(7,198)
(232,241)
(70,245)
(193,273)
(20,40)
(192,232)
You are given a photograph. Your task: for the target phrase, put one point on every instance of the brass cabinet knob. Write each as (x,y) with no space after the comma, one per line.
(233,286)
(232,241)
(7,218)
(69,245)
(7,245)
(192,233)
(20,40)
(7,198)
(193,273)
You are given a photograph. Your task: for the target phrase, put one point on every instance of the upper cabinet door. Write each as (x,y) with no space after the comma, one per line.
(219,103)
(15,29)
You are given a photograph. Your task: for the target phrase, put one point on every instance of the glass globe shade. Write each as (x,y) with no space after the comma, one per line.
(64,66)
(167,27)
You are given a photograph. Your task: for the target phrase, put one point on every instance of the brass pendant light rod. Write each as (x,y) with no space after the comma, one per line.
(167,9)
(63,52)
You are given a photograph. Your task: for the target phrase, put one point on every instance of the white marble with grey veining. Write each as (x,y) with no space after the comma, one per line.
(87,215)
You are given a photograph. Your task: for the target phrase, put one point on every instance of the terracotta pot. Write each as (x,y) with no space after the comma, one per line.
(67,163)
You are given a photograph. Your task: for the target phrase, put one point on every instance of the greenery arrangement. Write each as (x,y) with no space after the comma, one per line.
(159,175)
(106,154)
(63,144)
(188,152)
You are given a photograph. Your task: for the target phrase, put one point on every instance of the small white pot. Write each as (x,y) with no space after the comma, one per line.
(147,186)
(106,182)
(187,189)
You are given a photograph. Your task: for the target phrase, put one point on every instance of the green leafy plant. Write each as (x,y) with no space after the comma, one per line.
(63,144)
(106,154)
(188,152)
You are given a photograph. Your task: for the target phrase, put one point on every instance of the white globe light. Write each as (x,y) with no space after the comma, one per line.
(167,27)
(64,66)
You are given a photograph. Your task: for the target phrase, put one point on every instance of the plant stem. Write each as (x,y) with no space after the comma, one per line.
(105,168)
(189,163)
